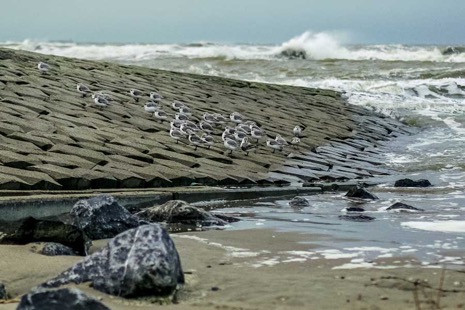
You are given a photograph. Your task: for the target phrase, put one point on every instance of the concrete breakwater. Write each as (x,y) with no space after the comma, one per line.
(53,139)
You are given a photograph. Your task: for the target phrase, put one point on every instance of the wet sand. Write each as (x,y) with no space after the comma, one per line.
(249,269)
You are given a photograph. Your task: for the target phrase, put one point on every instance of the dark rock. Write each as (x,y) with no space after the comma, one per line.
(451,50)
(55,249)
(138,262)
(299,202)
(50,229)
(355,209)
(412,183)
(360,192)
(62,299)
(102,217)
(3,294)
(357,218)
(179,215)
(294,53)
(402,207)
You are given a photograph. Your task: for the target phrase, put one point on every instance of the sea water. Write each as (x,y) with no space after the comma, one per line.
(419,85)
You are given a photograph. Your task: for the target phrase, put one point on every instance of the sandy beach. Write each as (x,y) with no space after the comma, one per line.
(255,269)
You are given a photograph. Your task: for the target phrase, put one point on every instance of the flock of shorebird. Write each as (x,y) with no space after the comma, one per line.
(198,133)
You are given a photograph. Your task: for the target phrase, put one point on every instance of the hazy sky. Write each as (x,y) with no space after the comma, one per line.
(232,21)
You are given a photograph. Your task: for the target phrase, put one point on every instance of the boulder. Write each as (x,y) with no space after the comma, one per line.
(356,218)
(3,294)
(49,229)
(138,262)
(355,209)
(299,202)
(451,50)
(361,193)
(61,299)
(411,183)
(179,215)
(102,217)
(402,207)
(56,249)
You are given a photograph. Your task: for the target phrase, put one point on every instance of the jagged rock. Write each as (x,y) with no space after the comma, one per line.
(451,50)
(355,209)
(357,218)
(3,294)
(299,202)
(412,183)
(179,215)
(102,217)
(55,249)
(61,299)
(50,229)
(402,207)
(138,262)
(294,53)
(360,192)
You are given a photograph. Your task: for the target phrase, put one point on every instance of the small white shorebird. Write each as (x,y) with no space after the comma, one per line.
(107,97)
(239,135)
(236,117)
(160,115)
(281,140)
(195,140)
(100,102)
(256,133)
(232,145)
(209,118)
(155,96)
(295,142)
(181,117)
(206,127)
(185,110)
(229,130)
(43,67)
(226,136)
(83,89)
(176,134)
(177,105)
(297,131)
(151,107)
(136,94)
(274,145)
(247,147)
(207,140)
(220,119)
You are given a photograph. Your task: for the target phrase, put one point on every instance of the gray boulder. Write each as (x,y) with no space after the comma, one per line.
(3,294)
(411,183)
(56,249)
(356,218)
(179,215)
(299,202)
(138,262)
(102,217)
(62,299)
(360,193)
(402,207)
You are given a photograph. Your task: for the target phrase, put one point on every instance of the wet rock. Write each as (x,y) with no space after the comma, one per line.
(138,262)
(62,299)
(56,249)
(355,209)
(293,53)
(102,217)
(179,215)
(411,183)
(402,207)
(299,202)
(3,294)
(357,218)
(361,193)
(57,229)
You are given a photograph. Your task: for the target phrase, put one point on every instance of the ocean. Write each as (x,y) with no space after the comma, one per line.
(420,85)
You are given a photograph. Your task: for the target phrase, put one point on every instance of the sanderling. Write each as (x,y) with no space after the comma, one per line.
(177,104)
(244,128)
(155,96)
(136,94)
(151,107)
(207,139)
(229,130)
(239,135)
(161,115)
(100,102)
(43,67)
(176,134)
(226,136)
(274,145)
(181,117)
(195,140)
(185,130)
(231,145)
(280,140)
(191,125)
(176,124)
(256,133)
(297,131)
(206,126)
(219,118)
(236,117)
(295,142)
(247,147)
(83,89)
(209,118)
(106,96)
(185,110)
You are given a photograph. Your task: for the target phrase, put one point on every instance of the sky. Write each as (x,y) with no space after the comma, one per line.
(234,21)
